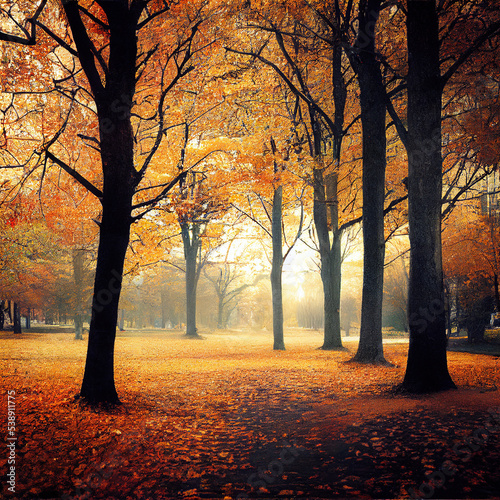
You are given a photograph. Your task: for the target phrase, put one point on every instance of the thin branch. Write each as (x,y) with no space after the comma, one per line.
(30,37)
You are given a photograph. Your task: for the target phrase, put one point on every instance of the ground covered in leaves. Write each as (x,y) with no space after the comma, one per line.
(228,417)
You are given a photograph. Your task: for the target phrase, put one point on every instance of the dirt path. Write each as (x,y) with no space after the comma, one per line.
(433,446)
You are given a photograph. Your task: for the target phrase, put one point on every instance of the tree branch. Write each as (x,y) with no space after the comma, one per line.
(78,177)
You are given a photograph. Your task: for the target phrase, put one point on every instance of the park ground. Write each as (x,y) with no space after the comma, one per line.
(228,417)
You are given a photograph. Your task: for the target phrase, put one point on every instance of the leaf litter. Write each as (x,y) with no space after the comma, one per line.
(230,418)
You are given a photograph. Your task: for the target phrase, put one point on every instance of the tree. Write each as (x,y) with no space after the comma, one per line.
(426,82)
(373,115)
(427,366)
(29,252)
(228,286)
(200,205)
(113,44)
(304,36)
(268,211)
(471,262)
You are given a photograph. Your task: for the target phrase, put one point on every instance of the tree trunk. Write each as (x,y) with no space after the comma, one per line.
(277,267)
(98,380)
(121,321)
(113,95)
(326,209)
(17,318)
(331,276)
(164,298)
(220,311)
(2,314)
(373,113)
(119,184)
(192,243)
(331,261)
(496,292)
(28,318)
(426,369)
(78,279)
(347,328)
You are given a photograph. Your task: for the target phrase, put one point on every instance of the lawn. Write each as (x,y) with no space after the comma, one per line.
(228,417)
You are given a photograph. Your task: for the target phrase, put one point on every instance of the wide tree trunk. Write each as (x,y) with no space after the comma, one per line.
(277,268)
(98,382)
(426,369)
(373,113)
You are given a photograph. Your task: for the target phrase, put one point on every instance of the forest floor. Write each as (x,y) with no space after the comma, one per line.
(228,417)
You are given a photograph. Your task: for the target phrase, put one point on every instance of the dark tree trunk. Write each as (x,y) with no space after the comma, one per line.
(373,113)
(114,103)
(330,255)
(17,318)
(496,292)
(78,256)
(9,311)
(326,209)
(98,381)
(2,314)
(277,267)
(28,318)
(426,369)
(192,244)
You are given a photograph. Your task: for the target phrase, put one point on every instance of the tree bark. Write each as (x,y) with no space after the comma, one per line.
(98,380)
(330,250)
(220,311)
(16,316)
(373,113)
(2,314)
(114,104)
(192,244)
(78,280)
(427,369)
(277,268)
(331,264)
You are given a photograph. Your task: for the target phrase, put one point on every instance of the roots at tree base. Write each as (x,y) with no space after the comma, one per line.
(98,398)
(193,335)
(369,359)
(332,347)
